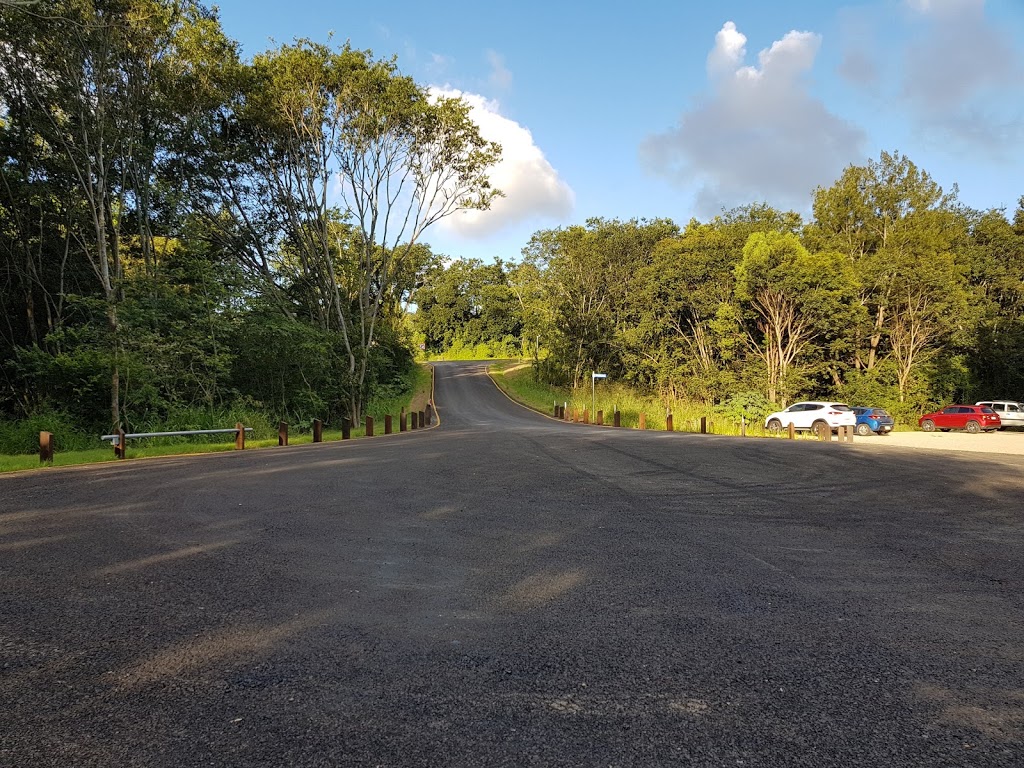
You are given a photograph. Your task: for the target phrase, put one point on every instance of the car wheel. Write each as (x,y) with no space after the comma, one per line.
(973,427)
(819,427)
(775,426)
(863,429)
(928,425)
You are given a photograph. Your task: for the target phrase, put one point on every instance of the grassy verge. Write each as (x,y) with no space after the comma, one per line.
(515,378)
(419,392)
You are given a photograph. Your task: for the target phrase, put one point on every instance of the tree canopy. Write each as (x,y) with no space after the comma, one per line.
(184,232)
(196,230)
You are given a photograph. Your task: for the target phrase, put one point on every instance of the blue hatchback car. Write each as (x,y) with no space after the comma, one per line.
(872,420)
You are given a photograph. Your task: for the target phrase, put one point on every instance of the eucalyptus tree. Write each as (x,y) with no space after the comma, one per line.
(407,159)
(588,277)
(688,338)
(793,301)
(997,282)
(904,236)
(87,74)
(682,340)
(347,162)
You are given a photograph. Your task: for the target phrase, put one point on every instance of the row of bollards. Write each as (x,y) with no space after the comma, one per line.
(415,420)
(822,431)
(410,421)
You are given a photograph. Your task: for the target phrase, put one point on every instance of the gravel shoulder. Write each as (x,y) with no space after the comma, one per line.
(1008,442)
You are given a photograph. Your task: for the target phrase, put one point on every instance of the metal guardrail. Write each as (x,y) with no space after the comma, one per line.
(120,439)
(115,439)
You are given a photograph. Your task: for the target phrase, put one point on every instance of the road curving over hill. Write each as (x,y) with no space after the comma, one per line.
(508,590)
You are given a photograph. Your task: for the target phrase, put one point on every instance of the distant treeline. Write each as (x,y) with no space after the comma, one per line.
(893,295)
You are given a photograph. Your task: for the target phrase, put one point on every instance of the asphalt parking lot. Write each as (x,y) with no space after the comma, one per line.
(506,590)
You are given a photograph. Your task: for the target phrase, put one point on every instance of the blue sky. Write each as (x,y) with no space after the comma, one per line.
(675,109)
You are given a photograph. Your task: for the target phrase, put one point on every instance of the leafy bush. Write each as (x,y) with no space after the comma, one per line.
(753,407)
(22,436)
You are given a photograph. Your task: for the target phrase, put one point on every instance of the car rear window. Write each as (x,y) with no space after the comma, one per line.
(840,406)
(987,410)
(879,413)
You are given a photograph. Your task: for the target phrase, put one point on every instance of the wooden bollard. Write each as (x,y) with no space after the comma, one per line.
(46,448)
(401,420)
(387,424)
(599,418)
(346,428)
(318,431)
(643,421)
(703,425)
(429,411)
(239,437)
(282,433)
(668,422)
(369,426)
(575,416)
(422,421)
(825,433)
(743,427)
(412,420)
(554,410)
(846,434)
(617,419)
(792,432)
(586,416)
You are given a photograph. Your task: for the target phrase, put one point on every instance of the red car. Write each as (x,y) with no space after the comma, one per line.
(973,418)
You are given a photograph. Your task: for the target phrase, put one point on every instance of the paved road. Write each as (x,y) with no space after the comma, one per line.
(506,590)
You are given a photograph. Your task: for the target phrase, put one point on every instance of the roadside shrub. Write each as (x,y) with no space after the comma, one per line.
(22,436)
(751,406)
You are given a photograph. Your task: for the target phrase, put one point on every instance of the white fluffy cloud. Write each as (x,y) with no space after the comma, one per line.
(532,187)
(758,134)
(961,77)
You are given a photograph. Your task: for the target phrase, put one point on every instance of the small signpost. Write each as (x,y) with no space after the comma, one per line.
(593,389)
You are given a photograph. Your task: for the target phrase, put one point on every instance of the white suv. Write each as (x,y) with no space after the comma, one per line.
(1010,412)
(809,414)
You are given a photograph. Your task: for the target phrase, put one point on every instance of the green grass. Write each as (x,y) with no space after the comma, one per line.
(515,378)
(419,382)
(419,385)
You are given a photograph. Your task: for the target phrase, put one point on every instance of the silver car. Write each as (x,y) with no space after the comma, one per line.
(1011,413)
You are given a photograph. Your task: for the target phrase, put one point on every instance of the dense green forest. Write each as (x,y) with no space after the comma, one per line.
(186,236)
(895,295)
